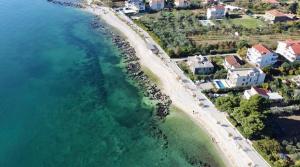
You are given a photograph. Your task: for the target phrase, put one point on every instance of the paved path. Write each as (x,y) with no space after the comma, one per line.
(186,96)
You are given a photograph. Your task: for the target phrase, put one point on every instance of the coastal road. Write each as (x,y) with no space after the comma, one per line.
(184,94)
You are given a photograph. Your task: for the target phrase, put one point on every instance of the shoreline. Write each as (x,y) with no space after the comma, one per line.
(237,153)
(129,57)
(218,149)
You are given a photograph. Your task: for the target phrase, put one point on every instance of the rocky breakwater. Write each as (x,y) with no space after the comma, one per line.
(134,71)
(68,3)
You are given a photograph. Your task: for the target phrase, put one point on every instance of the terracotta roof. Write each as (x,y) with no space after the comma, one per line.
(276,13)
(291,42)
(261,91)
(233,61)
(271,1)
(261,48)
(294,44)
(296,48)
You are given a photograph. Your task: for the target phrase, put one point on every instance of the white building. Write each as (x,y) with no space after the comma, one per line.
(261,56)
(245,77)
(200,65)
(216,12)
(135,5)
(263,93)
(182,3)
(290,49)
(156,4)
(275,16)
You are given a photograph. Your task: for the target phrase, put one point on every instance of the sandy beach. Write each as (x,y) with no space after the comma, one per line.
(236,150)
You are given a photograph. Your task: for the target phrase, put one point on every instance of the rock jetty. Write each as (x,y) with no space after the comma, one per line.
(67,3)
(134,71)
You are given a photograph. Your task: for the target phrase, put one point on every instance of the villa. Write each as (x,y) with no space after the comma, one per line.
(275,16)
(182,3)
(263,93)
(232,62)
(290,49)
(261,56)
(200,65)
(157,4)
(216,12)
(135,5)
(245,77)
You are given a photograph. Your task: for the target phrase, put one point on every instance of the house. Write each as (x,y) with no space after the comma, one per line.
(261,56)
(135,5)
(182,3)
(245,77)
(232,8)
(263,93)
(232,62)
(290,49)
(200,65)
(256,91)
(156,4)
(274,16)
(216,12)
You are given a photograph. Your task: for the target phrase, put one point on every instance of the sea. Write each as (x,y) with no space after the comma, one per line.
(65,100)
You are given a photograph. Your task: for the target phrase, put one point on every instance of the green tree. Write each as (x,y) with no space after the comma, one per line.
(255,103)
(250,115)
(268,146)
(293,7)
(227,103)
(252,124)
(242,44)
(242,52)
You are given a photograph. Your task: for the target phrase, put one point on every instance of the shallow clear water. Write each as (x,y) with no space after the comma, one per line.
(65,101)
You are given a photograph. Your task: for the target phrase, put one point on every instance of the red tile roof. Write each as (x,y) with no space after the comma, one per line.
(261,48)
(262,92)
(275,13)
(233,61)
(296,48)
(294,44)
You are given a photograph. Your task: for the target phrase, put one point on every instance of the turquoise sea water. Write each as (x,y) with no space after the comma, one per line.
(65,101)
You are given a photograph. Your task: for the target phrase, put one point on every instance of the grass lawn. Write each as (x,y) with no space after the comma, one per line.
(248,22)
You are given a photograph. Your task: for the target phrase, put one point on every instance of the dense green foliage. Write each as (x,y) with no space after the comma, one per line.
(270,150)
(285,69)
(181,34)
(248,114)
(173,29)
(287,90)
